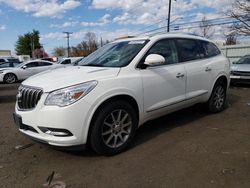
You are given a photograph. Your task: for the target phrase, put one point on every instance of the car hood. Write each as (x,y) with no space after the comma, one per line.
(241,67)
(67,76)
(8,68)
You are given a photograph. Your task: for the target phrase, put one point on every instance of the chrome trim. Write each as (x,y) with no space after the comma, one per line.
(28,97)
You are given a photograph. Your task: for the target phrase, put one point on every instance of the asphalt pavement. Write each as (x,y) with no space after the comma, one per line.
(189,148)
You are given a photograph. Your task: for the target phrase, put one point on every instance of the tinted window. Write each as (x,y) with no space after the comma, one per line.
(13,60)
(189,49)
(66,61)
(167,49)
(2,60)
(208,49)
(4,65)
(32,64)
(44,63)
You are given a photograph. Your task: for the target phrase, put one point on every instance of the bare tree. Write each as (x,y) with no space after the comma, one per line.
(86,47)
(91,41)
(231,39)
(206,29)
(241,12)
(59,51)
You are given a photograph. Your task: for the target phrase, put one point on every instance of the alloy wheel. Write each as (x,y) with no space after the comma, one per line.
(116,128)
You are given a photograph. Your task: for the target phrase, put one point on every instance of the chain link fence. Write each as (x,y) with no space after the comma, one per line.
(235,52)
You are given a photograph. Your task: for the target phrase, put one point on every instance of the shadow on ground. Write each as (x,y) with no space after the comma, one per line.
(153,128)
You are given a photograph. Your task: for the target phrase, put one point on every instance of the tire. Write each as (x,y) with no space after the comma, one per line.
(114,127)
(217,100)
(10,78)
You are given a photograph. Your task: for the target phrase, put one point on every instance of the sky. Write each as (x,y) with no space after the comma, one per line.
(108,19)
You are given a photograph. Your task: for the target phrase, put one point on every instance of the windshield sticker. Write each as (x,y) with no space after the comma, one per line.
(137,42)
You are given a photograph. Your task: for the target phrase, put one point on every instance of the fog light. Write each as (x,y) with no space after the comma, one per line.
(56,132)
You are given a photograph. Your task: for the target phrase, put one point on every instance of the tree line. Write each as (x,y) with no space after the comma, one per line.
(88,45)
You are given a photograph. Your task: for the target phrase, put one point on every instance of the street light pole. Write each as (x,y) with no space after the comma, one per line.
(169,12)
(67,36)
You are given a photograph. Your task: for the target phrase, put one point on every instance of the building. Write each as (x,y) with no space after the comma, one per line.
(5,53)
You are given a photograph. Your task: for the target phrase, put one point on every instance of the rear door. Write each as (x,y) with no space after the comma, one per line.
(164,85)
(198,69)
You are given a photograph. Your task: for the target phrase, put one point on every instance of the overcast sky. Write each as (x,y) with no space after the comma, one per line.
(107,18)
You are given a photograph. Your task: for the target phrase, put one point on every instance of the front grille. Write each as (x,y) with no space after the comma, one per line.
(28,97)
(240,73)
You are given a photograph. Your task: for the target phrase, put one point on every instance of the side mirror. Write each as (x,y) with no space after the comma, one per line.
(154,60)
(24,67)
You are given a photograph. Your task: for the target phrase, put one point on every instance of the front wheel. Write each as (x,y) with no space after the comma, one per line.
(10,78)
(217,100)
(114,127)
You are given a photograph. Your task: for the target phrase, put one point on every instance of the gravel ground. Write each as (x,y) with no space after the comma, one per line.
(189,148)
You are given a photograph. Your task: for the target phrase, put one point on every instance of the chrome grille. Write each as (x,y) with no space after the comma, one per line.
(28,97)
(240,73)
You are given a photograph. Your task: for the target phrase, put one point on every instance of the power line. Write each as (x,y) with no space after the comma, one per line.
(220,20)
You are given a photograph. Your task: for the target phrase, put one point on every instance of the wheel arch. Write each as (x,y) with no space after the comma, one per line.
(125,97)
(10,73)
(222,78)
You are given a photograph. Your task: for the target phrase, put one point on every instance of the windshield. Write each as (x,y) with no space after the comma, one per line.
(20,65)
(114,54)
(244,60)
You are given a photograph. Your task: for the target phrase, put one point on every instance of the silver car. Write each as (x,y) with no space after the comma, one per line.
(240,70)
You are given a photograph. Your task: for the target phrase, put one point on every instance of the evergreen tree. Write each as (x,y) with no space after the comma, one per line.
(27,43)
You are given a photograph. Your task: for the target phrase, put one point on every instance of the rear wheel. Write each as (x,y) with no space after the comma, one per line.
(217,100)
(114,128)
(10,78)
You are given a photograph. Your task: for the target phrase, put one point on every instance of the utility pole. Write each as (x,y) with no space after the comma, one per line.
(169,13)
(101,42)
(32,45)
(68,36)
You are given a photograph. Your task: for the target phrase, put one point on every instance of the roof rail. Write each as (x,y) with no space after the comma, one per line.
(124,37)
(164,32)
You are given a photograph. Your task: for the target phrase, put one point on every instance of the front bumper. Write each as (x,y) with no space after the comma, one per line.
(1,77)
(73,118)
(241,79)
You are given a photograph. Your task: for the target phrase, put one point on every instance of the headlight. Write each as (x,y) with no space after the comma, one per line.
(69,95)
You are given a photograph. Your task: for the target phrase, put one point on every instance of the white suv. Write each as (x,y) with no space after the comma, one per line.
(119,87)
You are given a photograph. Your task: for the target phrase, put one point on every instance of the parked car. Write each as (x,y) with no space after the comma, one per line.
(9,59)
(24,70)
(51,59)
(240,70)
(8,64)
(119,87)
(70,60)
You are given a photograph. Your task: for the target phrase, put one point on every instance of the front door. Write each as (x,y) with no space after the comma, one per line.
(164,86)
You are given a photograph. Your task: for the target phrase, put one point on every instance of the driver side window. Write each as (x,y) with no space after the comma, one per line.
(32,64)
(167,49)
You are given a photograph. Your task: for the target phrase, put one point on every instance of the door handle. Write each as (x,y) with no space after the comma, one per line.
(208,69)
(180,75)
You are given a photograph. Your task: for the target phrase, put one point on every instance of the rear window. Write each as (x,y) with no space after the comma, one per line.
(189,49)
(13,60)
(66,61)
(208,49)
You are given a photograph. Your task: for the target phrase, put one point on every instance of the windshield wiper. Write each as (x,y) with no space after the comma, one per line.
(93,65)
